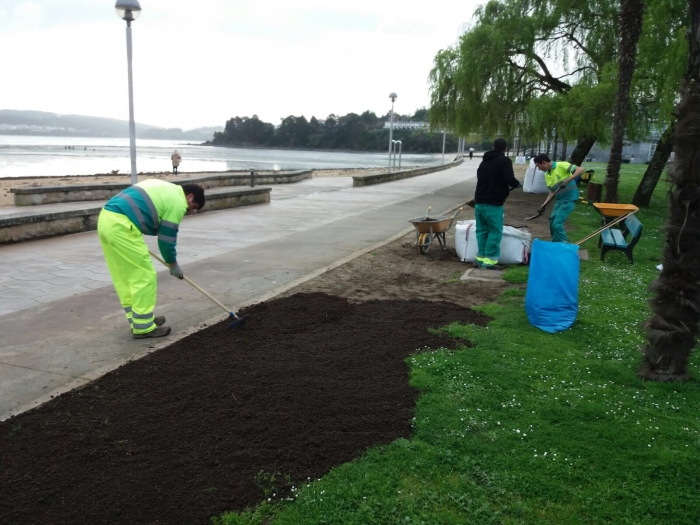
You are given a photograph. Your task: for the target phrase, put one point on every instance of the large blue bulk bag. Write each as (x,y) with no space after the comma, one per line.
(551,300)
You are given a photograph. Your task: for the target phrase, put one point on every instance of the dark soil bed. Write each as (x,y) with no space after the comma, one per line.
(197,428)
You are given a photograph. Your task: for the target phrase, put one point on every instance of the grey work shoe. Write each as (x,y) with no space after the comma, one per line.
(492,267)
(161,331)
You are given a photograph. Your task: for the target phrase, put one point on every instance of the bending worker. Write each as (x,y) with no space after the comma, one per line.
(559,177)
(151,207)
(494,180)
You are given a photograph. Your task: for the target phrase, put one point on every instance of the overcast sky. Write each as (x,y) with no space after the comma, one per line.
(200,62)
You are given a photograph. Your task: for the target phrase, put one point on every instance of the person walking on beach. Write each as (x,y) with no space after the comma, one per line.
(176,158)
(494,180)
(152,207)
(561,177)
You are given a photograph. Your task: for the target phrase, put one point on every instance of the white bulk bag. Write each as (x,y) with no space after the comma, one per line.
(534,180)
(515,243)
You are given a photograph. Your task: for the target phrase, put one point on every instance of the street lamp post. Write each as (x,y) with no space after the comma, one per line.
(443,146)
(129,10)
(393,97)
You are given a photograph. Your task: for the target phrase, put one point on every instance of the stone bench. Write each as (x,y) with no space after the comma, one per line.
(38,195)
(378,178)
(36,223)
(238,179)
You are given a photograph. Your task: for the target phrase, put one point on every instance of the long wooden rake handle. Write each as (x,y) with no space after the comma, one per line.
(608,225)
(194,285)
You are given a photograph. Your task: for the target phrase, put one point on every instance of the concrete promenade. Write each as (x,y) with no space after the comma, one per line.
(61,324)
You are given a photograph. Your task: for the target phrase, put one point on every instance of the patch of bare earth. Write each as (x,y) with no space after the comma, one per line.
(201,427)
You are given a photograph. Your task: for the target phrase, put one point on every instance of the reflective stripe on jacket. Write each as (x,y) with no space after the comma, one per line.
(156,207)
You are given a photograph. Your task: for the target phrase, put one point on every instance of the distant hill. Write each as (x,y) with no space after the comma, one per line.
(178,134)
(19,122)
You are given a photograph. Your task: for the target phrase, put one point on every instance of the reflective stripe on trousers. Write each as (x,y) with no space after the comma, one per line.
(131,269)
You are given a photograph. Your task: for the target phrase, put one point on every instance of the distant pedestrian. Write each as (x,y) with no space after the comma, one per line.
(494,180)
(176,158)
(471,153)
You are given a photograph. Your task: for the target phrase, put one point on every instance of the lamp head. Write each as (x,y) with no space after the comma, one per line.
(393,96)
(128,10)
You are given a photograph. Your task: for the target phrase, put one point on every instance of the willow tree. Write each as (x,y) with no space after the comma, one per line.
(518,51)
(673,328)
(661,63)
(631,16)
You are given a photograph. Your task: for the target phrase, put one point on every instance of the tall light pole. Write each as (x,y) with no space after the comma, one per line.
(130,10)
(443,146)
(393,97)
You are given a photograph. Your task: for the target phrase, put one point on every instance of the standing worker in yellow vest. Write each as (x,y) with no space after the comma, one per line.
(561,177)
(151,207)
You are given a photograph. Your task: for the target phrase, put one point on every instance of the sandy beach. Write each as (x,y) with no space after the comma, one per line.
(6,198)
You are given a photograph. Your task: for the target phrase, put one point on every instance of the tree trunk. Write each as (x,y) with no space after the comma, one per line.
(646,187)
(631,15)
(673,327)
(583,146)
(563,148)
(556,138)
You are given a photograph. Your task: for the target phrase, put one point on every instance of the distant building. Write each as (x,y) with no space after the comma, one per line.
(406,124)
(632,152)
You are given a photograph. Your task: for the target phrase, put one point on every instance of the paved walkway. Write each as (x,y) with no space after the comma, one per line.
(60,319)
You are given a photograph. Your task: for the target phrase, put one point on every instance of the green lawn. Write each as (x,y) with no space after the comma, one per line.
(533,428)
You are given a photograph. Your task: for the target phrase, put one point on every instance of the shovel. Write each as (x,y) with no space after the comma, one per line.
(541,209)
(235,321)
(583,254)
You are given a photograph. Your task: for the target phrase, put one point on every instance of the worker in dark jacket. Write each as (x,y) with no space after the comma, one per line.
(494,180)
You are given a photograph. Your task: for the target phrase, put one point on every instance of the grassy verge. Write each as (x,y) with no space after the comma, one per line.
(529,427)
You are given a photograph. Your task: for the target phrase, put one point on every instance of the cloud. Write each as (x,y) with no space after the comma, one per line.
(201,63)
(26,15)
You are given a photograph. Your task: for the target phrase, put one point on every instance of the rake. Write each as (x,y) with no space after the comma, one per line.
(235,321)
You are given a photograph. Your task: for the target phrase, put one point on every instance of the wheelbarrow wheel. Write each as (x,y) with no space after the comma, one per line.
(424,243)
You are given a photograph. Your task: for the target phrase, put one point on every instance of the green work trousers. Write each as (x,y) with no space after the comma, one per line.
(131,269)
(489,230)
(561,211)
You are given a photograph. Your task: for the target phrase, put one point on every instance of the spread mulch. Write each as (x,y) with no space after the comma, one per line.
(201,427)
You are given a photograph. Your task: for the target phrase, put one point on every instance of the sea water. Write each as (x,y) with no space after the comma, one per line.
(31,156)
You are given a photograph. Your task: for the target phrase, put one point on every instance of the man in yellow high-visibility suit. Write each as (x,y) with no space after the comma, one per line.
(560,177)
(151,207)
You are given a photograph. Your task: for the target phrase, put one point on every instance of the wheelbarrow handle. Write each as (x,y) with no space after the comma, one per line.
(608,225)
(453,218)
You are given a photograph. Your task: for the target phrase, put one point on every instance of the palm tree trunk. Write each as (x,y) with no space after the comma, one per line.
(651,177)
(631,15)
(674,325)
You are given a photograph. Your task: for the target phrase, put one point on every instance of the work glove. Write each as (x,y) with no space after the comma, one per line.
(176,271)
